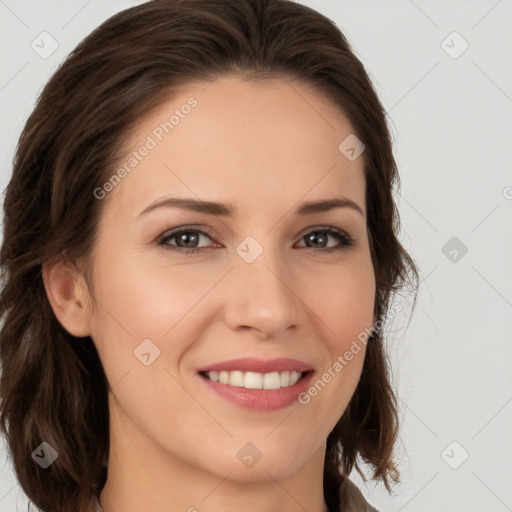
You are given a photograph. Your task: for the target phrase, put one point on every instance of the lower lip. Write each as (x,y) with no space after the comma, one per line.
(260,399)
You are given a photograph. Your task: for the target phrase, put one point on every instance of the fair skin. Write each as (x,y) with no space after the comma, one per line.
(265,148)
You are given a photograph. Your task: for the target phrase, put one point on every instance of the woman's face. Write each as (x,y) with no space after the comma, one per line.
(260,283)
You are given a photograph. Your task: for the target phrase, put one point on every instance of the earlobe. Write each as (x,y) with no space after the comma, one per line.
(67,294)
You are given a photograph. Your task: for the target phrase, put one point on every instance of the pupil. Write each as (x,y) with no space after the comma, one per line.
(187,237)
(315,238)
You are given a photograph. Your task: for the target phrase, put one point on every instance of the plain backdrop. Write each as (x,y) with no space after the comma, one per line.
(443,70)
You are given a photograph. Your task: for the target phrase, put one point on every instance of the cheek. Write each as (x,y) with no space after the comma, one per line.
(345,307)
(345,303)
(140,300)
(145,300)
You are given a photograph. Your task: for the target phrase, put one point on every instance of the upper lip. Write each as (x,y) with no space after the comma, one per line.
(250,364)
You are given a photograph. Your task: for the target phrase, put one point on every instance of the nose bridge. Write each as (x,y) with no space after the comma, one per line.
(262,293)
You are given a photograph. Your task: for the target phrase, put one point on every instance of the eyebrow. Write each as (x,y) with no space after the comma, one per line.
(228,210)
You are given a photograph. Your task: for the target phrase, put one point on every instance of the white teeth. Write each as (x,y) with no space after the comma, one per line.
(271,380)
(294,377)
(236,379)
(254,380)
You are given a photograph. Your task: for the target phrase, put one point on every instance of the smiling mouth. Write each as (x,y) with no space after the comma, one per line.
(255,380)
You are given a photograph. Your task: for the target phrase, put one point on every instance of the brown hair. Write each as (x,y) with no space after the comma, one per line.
(53,387)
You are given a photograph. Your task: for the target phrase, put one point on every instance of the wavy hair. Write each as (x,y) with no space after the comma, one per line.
(53,386)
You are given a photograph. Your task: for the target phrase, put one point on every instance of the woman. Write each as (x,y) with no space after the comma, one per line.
(200,249)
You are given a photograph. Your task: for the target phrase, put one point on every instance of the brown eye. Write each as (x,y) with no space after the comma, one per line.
(187,240)
(321,237)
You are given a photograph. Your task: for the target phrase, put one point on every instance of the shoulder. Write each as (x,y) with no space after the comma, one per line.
(352,499)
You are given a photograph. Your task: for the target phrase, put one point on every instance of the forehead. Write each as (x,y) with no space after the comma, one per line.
(240,141)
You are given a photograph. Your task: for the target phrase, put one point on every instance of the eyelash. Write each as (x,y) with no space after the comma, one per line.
(346,241)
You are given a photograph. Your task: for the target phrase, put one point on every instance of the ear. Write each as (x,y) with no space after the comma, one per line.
(67,293)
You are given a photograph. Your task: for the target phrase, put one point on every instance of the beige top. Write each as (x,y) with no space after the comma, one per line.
(354,499)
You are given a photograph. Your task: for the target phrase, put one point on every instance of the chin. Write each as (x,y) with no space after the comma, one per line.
(273,464)
(260,472)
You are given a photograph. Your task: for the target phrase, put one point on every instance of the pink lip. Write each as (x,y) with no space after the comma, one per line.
(250,364)
(260,399)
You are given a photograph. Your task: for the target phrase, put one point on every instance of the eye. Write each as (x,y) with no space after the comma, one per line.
(321,236)
(187,239)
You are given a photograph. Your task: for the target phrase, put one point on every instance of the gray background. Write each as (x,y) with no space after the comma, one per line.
(451,120)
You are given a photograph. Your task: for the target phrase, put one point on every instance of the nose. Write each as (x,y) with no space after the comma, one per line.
(261,296)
